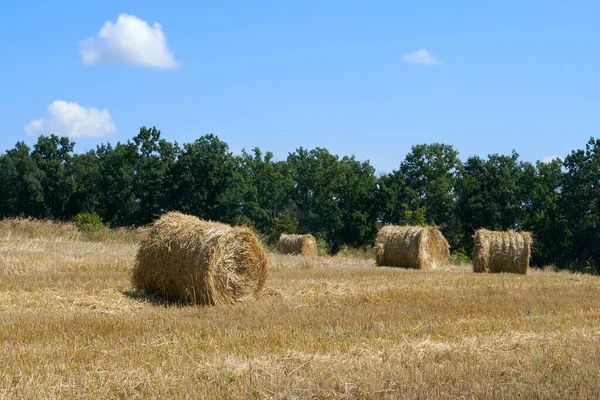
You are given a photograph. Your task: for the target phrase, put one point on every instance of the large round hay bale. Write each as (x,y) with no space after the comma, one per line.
(184,258)
(501,251)
(305,245)
(415,247)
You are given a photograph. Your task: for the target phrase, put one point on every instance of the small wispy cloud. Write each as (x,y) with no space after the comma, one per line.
(551,158)
(72,120)
(421,56)
(130,41)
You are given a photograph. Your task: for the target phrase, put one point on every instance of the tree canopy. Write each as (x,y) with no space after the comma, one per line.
(338,199)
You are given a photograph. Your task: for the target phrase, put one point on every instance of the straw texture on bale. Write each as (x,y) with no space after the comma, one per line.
(184,258)
(305,245)
(501,251)
(411,247)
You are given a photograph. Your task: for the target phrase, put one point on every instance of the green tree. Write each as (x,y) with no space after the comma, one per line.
(21,189)
(357,203)
(209,182)
(51,155)
(421,191)
(268,186)
(84,171)
(116,185)
(543,215)
(8,178)
(396,203)
(580,203)
(333,199)
(430,172)
(317,183)
(154,160)
(492,194)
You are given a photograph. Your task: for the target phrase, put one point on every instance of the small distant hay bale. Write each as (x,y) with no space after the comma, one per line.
(414,247)
(184,258)
(501,251)
(305,245)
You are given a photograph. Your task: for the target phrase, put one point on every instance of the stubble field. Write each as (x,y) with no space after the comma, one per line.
(325,327)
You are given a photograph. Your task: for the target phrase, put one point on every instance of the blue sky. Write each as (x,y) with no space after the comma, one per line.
(345,75)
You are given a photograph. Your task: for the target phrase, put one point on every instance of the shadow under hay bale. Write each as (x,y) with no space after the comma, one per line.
(501,251)
(414,247)
(183,258)
(305,245)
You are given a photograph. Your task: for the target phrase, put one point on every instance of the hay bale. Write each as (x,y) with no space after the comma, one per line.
(411,247)
(184,258)
(305,245)
(501,251)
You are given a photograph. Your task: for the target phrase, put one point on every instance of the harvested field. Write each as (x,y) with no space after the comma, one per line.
(324,327)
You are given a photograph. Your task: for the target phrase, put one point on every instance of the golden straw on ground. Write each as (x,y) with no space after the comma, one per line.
(305,245)
(501,251)
(187,259)
(411,247)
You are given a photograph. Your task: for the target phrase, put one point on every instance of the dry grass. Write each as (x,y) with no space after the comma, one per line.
(325,327)
(27,228)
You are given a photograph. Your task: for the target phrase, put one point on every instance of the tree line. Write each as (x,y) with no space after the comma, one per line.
(340,200)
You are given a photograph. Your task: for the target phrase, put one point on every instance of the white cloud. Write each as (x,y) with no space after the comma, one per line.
(73,120)
(421,56)
(551,158)
(128,41)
